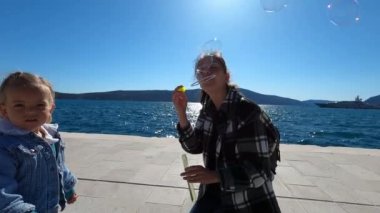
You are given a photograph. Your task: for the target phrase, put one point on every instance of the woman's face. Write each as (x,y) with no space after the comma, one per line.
(211,74)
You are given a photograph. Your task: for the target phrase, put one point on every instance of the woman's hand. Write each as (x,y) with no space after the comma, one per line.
(179,99)
(199,174)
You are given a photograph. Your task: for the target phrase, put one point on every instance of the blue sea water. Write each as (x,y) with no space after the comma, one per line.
(297,124)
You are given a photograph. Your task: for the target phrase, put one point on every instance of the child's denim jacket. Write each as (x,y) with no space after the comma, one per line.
(33,175)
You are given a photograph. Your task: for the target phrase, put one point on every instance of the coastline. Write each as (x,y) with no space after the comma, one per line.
(121,173)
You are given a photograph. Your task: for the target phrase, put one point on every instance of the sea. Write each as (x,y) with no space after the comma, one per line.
(297,124)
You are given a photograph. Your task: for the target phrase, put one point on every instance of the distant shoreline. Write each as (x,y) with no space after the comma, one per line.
(193,96)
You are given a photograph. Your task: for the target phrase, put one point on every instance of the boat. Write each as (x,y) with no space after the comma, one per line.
(357,104)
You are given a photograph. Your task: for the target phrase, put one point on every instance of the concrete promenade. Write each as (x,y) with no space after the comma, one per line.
(137,174)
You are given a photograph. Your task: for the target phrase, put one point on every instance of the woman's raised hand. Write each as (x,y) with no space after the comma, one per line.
(179,99)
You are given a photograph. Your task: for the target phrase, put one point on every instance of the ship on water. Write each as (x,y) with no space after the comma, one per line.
(357,104)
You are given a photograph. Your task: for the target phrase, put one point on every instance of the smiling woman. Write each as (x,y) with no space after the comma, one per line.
(237,140)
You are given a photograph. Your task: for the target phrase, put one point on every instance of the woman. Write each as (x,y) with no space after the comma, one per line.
(231,132)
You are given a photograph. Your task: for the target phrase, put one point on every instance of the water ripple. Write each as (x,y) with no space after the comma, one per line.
(297,124)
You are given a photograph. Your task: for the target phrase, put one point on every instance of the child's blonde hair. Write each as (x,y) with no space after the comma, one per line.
(23,80)
(19,79)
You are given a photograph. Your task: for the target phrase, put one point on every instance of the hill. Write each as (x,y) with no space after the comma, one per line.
(138,95)
(317,101)
(374,100)
(165,96)
(269,99)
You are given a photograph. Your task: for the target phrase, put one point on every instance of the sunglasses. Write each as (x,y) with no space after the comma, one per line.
(208,68)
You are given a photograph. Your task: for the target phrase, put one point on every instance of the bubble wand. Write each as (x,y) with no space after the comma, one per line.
(193,196)
(203,80)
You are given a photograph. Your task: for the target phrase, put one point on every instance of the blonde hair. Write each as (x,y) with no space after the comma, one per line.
(23,80)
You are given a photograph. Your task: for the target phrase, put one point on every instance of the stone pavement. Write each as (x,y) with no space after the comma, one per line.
(138,174)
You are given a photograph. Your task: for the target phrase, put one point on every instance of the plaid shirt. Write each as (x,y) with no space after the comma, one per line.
(242,152)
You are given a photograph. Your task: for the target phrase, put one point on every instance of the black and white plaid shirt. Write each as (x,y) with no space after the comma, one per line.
(242,152)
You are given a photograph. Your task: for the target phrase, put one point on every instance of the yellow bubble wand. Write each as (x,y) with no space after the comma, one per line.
(193,196)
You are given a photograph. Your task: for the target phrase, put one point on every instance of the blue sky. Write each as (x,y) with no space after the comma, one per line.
(103,45)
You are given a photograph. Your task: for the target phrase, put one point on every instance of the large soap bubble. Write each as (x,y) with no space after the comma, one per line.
(204,73)
(343,12)
(271,6)
(213,46)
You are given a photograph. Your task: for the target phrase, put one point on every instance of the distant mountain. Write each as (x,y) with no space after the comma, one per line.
(135,95)
(269,99)
(317,101)
(166,96)
(374,100)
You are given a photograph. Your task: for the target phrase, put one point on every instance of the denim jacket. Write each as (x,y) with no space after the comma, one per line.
(33,175)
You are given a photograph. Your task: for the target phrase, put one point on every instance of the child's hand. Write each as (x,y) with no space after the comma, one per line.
(73,198)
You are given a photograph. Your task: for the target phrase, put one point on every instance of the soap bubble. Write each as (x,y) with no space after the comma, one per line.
(271,6)
(213,46)
(343,12)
